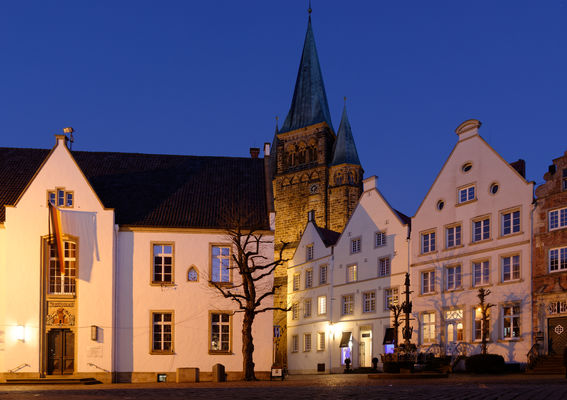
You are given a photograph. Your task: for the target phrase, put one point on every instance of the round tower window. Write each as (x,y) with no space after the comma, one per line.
(494,188)
(440,205)
(466,167)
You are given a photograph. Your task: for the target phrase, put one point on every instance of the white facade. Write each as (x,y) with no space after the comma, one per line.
(472,230)
(365,267)
(108,320)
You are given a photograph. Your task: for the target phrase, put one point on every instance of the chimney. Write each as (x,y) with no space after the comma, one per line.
(267,149)
(369,183)
(60,139)
(254,152)
(468,129)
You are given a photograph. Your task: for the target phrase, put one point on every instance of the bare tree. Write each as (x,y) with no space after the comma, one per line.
(484,309)
(256,284)
(396,314)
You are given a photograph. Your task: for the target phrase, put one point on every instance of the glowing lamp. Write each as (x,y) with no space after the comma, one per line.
(20,333)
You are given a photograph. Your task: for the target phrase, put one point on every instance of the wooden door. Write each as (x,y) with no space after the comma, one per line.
(60,352)
(557,334)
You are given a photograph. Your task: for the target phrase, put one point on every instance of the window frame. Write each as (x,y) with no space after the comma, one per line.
(308,278)
(295,311)
(466,189)
(294,343)
(347,308)
(510,256)
(482,221)
(355,245)
(387,267)
(391,296)
(324,267)
(512,317)
(480,262)
(454,227)
(561,254)
(307,306)
(321,303)
(477,324)
(431,274)
(431,236)
(371,302)
(457,281)
(66,194)
(432,333)
(510,212)
(230,331)
(559,212)
(354,269)
(229,268)
(153,282)
(380,239)
(296,282)
(193,268)
(321,341)
(69,279)
(153,350)
(307,344)
(309,252)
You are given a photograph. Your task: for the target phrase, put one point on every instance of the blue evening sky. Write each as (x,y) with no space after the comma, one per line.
(209,77)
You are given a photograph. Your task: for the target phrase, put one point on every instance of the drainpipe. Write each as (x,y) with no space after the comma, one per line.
(332,341)
(115,305)
(532,211)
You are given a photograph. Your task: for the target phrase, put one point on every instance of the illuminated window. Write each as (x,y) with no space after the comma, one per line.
(428,327)
(307,342)
(478,323)
(348,304)
(62,284)
(321,341)
(511,321)
(390,297)
(322,305)
(351,273)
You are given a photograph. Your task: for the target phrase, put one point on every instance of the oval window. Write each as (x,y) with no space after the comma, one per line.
(440,205)
(466,167)
(494,188)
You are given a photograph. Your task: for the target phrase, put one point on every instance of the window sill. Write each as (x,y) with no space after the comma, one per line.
(220,284)
(464,203)
(157,283)
(480,241)
(454,247)
(510,235)
(510,340)
(510,282)
(427,294)
(162,353)
(70,296)
(459,289)
(369,312)
(221,353)
(429,253)
(480,285)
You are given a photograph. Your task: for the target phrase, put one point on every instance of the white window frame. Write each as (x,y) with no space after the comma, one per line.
(510,320)
(454,277)
(308,278)
(223,266)
(63,284)
(323,274)
(223,334)
(510,222)
(355,245)
(477,324)
(557,219)
(307,308)
(482,273)
(309,252)
(295,343)
(466,194)
(514,267)
(321,341)
(307,342)
(384,266)
(160,264)
(347,304)
(296,282)
(483,225)
(428,242)
(380,239)
(557,256)
(428,327)
(369,302)
(453,236)
(428,282)
(321,305)
(295,311)
(391,296)
(351,273)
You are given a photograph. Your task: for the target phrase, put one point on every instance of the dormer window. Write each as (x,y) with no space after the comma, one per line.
(61,198)
(466,194)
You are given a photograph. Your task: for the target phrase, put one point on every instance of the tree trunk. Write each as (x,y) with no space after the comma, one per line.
(248,346)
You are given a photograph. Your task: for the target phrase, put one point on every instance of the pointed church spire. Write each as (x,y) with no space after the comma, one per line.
(345,149)
(309,104)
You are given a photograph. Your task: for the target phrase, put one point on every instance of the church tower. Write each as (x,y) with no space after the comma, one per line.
(307,165)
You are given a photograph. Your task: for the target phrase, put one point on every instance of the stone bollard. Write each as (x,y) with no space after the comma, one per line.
(218,373)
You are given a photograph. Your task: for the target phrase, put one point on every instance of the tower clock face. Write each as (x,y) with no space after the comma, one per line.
(314,188)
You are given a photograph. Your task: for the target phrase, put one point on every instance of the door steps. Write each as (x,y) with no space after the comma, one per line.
(52,381)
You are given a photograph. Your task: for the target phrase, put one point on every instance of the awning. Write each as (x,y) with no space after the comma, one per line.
(345,339)
(389,336)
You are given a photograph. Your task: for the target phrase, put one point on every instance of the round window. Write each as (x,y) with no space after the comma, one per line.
(466,167)
(494,188)
(440,205)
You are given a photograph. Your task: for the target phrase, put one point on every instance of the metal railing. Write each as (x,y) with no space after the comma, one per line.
(97,367)
(19,367)
(534,355)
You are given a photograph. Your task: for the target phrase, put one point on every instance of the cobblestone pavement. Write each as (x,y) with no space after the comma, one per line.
(313,388)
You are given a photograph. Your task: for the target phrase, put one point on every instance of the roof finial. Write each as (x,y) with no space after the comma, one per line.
(309,10)
(345,100)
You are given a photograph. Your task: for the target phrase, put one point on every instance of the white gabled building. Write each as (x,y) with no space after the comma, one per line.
(364,268)
(143,235)
(472,230)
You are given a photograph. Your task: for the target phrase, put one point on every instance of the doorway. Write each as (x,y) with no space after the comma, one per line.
(60,352)
(557,334)
(365,348)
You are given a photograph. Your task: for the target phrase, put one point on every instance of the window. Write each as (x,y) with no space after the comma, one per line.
(466,194)
(466,167)
(296,281)
(494,188)
(558,219)
(322,305)
(564,180)
(368,302)
(427,242)
(163,263)
(380,239)
(351,273)
(307,308)
(322,274)
(454,323)
(307,342)
(440,205)
(453,236)
(61,197)
(321,341)
(192,275)
(511,321)
(294,344)
(162,332)
(220,264)
(309,255)
(390,297)
(510,268)
(478,323)
(481,273)
(428,327)
(355,246)
(453,277)
(295,311)
(510,222)
(62,284)
(427,282)
(384,266)
(348,304)
(220,332)
(481,230)
(308,278)
(558,259)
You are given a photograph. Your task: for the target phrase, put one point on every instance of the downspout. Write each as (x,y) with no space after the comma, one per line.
(534,206)
(332,341)
(115,302)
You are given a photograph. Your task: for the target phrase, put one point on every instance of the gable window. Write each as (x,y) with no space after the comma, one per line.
(481,229)
(321,341)
(307,308)
(163,263)
(355,246)
(348,304)
(379,239)
(351,273)
(453,234)
(511,321)
(384,266)
(220,332)
(308,278)
(61,197)
(294,344)
(478,327)
(307,342)
(466,194)
(162,332)
(510,222)
(309,250)
(295,311)
(510,268)
(220,264)
(390,297)
(481,273)
(322,274)
(368,302)
(558,259)
(428,327)
(427,282)
(296,281)
(453,277)
(192,275)
(62,284)
(322,305)
(427,242)
(558,219)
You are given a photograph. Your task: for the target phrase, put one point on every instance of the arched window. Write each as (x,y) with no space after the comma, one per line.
(338,178)
(192,274)
(302,153)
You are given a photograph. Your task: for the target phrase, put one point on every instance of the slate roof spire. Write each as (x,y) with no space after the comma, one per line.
(345,149)
(309,103)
